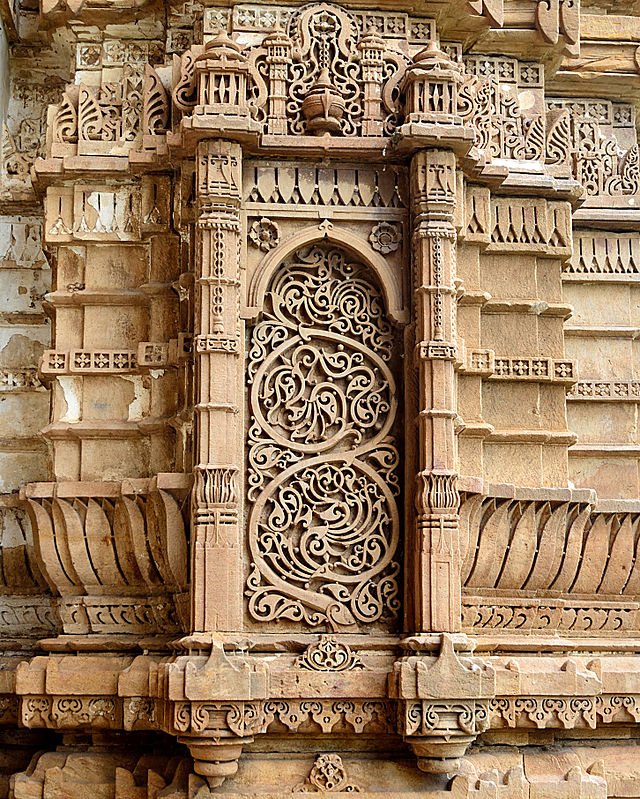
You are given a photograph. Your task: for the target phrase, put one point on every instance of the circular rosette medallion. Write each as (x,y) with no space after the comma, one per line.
(312,396)
(324,534)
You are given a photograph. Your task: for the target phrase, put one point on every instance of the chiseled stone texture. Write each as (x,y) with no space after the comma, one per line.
(319,388)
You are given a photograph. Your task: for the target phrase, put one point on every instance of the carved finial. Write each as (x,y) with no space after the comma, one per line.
(323,107)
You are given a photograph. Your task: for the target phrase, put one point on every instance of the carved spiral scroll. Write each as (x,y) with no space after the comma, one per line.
(323,463)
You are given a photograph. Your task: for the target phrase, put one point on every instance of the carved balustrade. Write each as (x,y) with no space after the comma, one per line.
(115,555)
(549,561)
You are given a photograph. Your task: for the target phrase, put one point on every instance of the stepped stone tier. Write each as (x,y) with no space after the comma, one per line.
(319,399)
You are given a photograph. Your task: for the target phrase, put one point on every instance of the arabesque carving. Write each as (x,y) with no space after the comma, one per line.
(319,388)
(323,462)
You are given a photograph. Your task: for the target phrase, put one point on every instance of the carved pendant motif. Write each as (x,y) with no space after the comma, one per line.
(323,463)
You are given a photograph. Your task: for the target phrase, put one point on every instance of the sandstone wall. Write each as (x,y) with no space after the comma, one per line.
(319,399)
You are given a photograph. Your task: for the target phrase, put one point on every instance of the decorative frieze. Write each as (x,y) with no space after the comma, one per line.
(296,716)
(605,390)
(514,224)
(603,256)
(357,187)
(118,53)
(68,713)
(603,146)
(586,712)
(486,363)
(523,565)
(88,362)
(92,213)
(116,556)
(528,225)
(549,616)
(17,380)
(24,132)
(149,355)
(21,242)
(539,369)
(127,110)
(27,616)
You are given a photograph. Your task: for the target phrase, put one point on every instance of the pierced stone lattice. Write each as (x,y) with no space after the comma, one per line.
(323,463)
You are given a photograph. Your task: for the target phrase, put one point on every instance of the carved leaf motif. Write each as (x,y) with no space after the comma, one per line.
(469,532)
(90,118)
(550,550)
(286,182)
(65,122)
(101,550)
(325,185)
(54,569)
(558,136)
(185,94)
(619,565)
(632,588)
(572,552)
(594,557)
(156,104)
(522,550)
(69,533)
(534,139)
(493,544)
(322,459)
(306,183)
(140,540)
(266,182)
(125,543)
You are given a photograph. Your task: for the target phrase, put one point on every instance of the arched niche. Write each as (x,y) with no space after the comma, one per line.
(323,462)
(389,280)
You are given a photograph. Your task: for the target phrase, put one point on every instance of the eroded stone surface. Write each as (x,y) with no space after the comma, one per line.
(319,451)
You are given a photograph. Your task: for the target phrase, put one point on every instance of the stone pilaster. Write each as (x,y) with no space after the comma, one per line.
(216,574)
(436,554)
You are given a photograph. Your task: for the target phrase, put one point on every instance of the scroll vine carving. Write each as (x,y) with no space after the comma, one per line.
(323,462)
(329,654)
(328,775)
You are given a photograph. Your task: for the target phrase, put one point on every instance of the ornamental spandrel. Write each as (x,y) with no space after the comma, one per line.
(318,399)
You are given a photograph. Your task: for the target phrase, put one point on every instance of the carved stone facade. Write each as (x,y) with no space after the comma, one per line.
(319,394)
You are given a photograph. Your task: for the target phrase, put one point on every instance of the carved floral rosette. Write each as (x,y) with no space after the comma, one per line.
(323,463)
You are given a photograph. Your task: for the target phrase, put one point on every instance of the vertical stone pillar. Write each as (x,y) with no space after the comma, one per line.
(278,46)
(372,48)
(437,552)
(216,544)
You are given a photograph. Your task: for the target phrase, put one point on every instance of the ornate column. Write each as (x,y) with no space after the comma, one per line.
(372,48)
(437,556)
(433,123)
(443,701)
(278,46)
(216,544)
